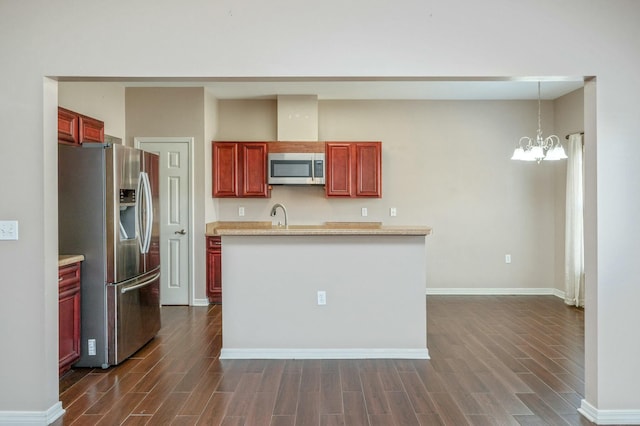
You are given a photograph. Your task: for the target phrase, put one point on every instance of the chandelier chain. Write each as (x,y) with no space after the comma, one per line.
(539,115)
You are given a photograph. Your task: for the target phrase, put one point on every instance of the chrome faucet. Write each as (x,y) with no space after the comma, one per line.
(273,213)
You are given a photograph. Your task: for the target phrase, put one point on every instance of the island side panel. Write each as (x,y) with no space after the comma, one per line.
(375,290)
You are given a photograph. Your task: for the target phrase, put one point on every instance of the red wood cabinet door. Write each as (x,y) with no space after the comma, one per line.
(68,316)
(254,170)
(214,269)
(368,169)
(74,128)
(67,127)
(225,169)
(90,129)
(338,169)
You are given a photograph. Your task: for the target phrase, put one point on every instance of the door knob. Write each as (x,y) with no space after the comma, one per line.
(181,232)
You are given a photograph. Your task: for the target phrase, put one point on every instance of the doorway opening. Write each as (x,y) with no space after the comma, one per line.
(176,216)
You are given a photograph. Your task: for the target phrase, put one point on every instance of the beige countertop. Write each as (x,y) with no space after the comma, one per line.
(68,259)
(327,228)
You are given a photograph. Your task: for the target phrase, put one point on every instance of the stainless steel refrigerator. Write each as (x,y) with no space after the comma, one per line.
(107,211)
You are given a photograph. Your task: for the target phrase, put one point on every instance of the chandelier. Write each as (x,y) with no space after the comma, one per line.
(540,148)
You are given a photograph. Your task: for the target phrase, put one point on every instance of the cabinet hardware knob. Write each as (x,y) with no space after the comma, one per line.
(181,232)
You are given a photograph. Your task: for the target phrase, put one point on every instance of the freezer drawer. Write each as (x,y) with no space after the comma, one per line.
(134,315)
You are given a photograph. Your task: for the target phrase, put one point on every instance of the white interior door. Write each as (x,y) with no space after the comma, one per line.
(175,216)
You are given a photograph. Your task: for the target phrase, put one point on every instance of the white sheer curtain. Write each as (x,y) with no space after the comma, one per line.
(574,229)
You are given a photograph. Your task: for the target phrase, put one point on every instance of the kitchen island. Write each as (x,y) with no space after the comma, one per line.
(372,278)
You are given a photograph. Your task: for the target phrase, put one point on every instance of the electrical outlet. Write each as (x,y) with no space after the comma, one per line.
(240,211)
(91,346)
(365,212)
(507,258)
(8,229)
(393,212)
(322,297)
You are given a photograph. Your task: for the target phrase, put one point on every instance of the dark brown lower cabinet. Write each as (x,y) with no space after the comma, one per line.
(214,269)
(68,316)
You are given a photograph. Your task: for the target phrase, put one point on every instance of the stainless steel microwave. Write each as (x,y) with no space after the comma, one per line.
(305,168)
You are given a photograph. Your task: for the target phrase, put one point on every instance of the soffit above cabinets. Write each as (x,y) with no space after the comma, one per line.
(368,88)
(397,90)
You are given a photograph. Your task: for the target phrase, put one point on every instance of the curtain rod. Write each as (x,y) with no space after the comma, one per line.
(567,137)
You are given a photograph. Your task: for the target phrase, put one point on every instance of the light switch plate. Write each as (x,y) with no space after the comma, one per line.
(322,297)
(8,229)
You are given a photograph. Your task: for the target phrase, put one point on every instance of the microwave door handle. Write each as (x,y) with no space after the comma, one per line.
(315,178)
(313,169)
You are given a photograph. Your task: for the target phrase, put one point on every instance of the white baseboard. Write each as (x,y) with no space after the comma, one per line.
(609,417)
(467,292)
(496,292)
(32,418)
(200,302)
(324,353)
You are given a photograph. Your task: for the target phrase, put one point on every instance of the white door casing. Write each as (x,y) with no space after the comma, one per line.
(176,216)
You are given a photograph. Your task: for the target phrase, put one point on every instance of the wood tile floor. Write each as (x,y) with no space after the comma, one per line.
(495,360)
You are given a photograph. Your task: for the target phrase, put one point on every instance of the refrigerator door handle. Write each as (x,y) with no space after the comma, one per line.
(145,223)
(149,211)
(142,284)
(139,199)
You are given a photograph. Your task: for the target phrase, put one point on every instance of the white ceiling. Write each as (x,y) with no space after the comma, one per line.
(387,88)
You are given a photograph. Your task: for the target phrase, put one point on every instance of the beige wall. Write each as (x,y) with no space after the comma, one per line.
(104,101)
(428,176)
(210,127)
(154,112)
(43,40)
(445,165)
